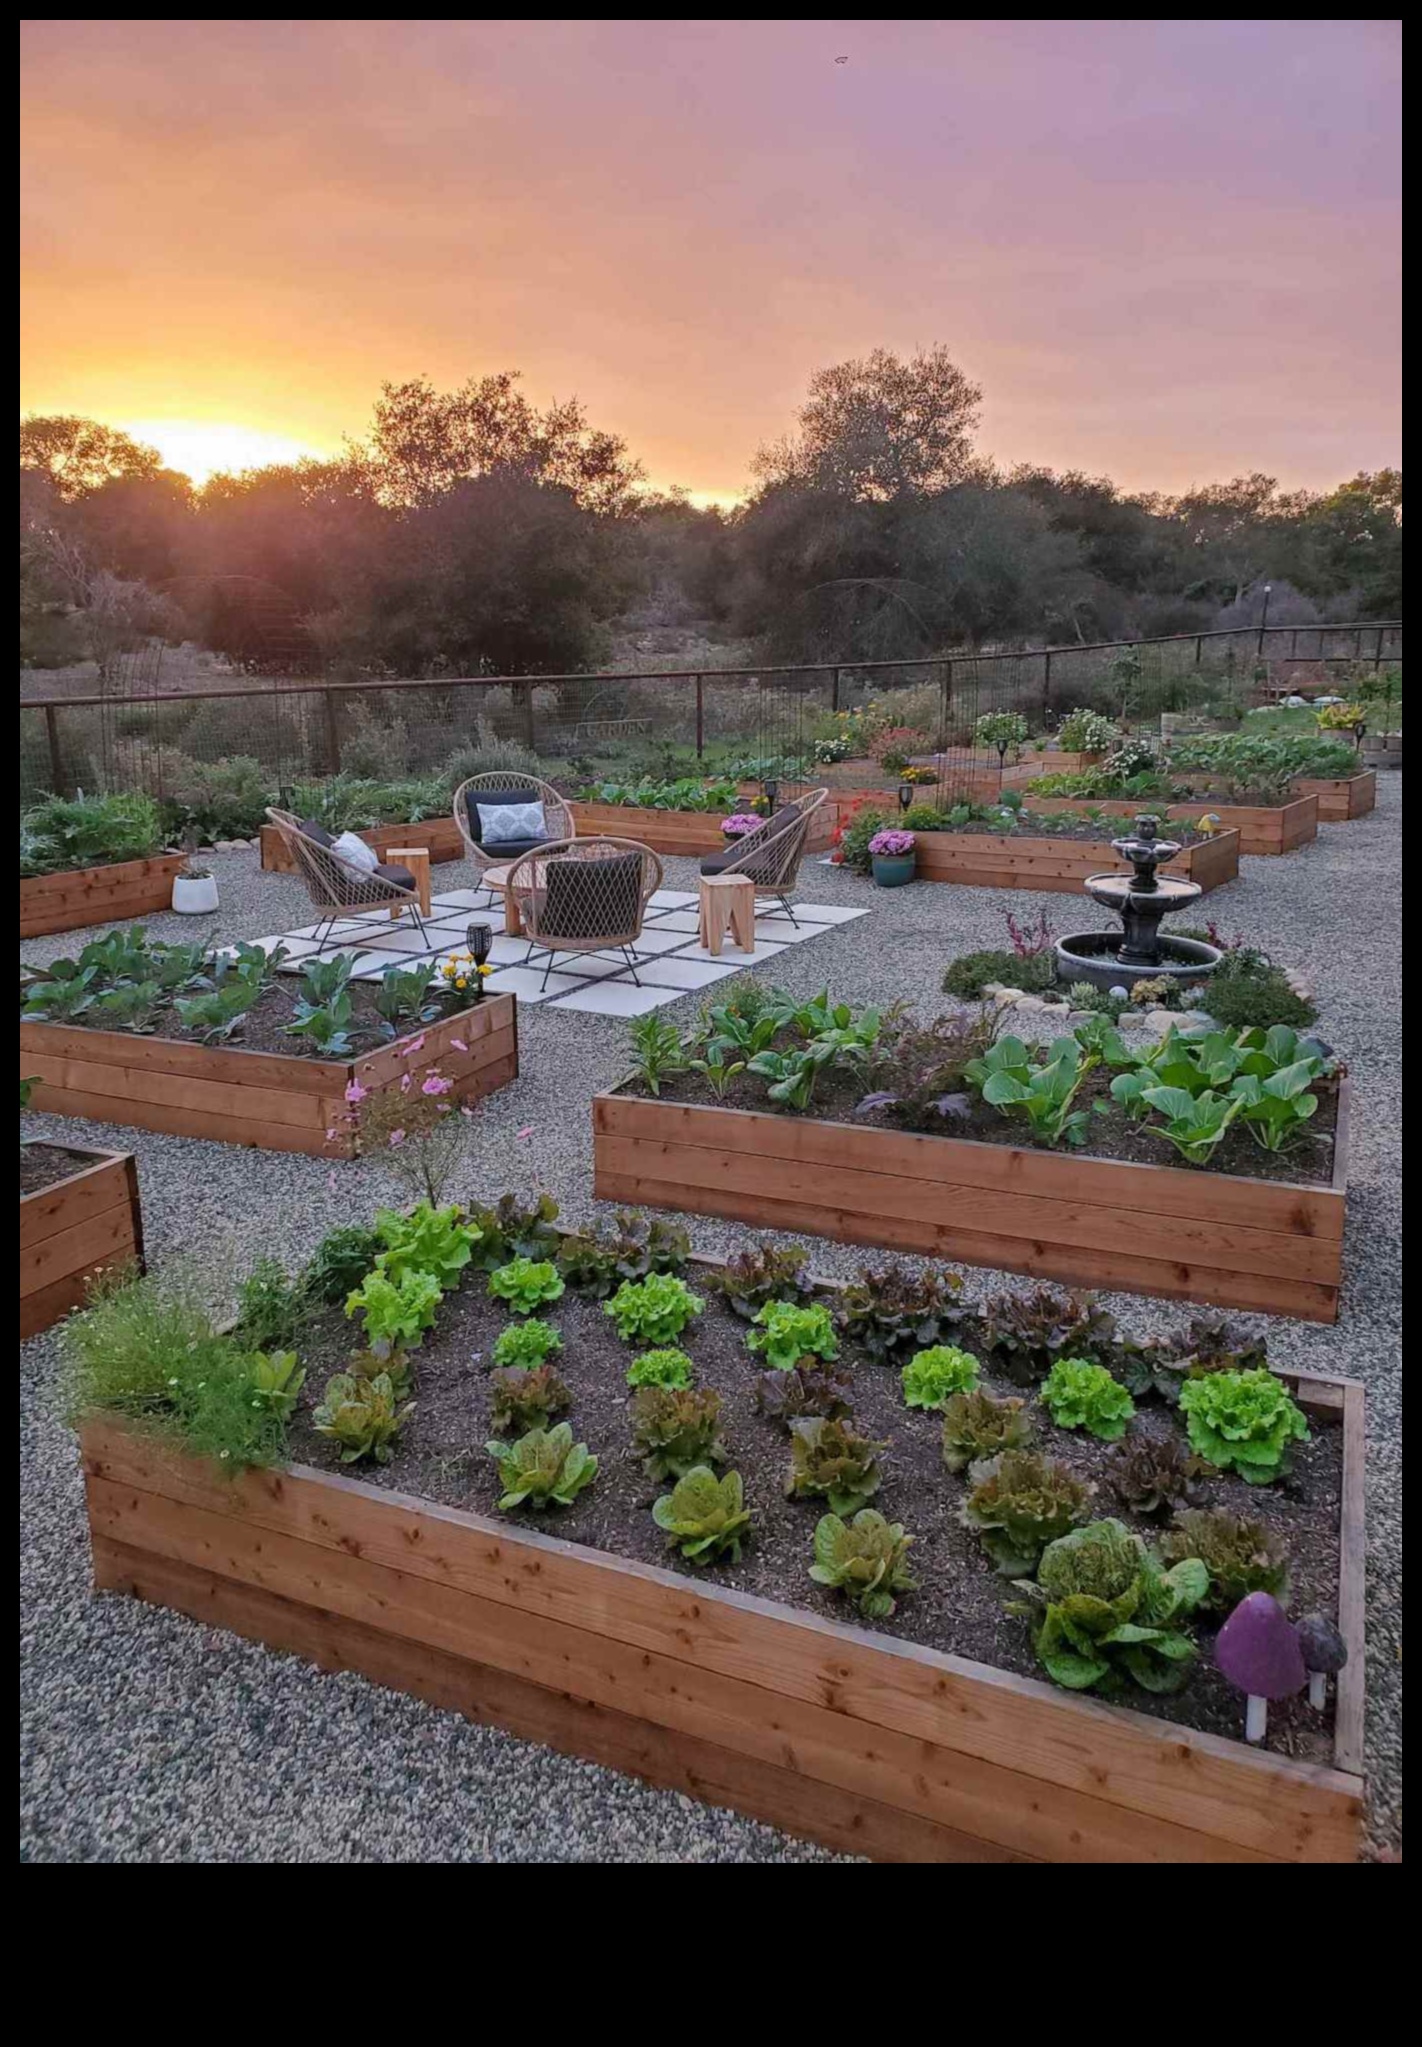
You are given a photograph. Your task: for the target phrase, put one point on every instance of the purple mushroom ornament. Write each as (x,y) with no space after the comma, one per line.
(1324,1653)
(1258,1651)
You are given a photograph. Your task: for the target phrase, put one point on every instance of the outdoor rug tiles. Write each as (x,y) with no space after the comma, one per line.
(670,961)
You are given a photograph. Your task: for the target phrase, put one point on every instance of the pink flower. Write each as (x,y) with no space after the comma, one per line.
(397,1137)
(404,1083)
(527,1131)
(415,1045)
(436,1084)
(458,1045)
(331,1136)
(355,1092)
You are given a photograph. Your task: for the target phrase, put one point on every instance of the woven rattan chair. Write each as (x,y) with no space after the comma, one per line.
(494,867)
(585,895)
(772,856)
(339,888)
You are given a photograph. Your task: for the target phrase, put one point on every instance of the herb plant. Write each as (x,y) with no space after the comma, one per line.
(865,1559)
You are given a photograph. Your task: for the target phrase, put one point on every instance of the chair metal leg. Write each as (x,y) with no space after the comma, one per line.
(631,959)
(324,932)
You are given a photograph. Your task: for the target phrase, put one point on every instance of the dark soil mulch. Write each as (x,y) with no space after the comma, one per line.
(959,1605)
(43,1165)
(1308,1163)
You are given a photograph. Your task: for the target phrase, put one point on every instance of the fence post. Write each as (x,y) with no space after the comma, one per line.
(1199,644)
(1046,683)
(700,719)
(526,693)
(333,731)
(834,689)
(1377,652)
(56,759)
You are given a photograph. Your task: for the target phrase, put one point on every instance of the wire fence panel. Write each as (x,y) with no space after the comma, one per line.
(129,733)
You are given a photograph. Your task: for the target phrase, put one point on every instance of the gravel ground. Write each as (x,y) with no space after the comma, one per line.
(148,1738)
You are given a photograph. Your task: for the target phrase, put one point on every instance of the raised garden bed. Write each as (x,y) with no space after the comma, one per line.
(1342,797)
(275,1101)
(1173,1231)
(867,1741)
(98,895)
(439,835)
(80,1214)
(686,834)
(1055,864)
(1262,828)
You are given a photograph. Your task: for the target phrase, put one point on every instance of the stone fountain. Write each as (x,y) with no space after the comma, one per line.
(1138,952)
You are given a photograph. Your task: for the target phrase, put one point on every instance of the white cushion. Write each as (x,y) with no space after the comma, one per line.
(500,822)
(353,848)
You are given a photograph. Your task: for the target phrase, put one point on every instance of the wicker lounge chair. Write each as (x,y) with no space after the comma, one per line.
(339,887)
(585,895)
(772,856)
(494,859)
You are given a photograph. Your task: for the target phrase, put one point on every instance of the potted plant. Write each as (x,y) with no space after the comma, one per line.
(892,858)
(740,825)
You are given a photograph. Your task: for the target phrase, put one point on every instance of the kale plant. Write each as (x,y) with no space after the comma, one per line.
(339,1263)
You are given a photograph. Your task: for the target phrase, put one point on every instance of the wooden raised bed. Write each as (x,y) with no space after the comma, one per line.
(98,895)
(273,1100)
(439,834)
(1055,866)
(1342,797)
(688,834)
(1262,828)
(72,1228)
(1173,1231)
(879,1747)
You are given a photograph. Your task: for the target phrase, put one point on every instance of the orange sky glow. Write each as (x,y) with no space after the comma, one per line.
(1167,250)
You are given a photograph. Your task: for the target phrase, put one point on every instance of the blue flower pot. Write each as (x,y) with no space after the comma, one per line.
(892,870)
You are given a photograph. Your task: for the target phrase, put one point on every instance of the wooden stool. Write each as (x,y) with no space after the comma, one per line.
(417,859)
(727,904)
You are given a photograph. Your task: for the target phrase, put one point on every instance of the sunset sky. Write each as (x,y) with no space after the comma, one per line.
(1167,250)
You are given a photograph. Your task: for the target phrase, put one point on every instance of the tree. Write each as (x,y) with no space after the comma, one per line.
(79,455)
(880,428)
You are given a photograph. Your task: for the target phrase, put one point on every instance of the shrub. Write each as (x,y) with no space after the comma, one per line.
(526,1398)
(362,1415)
(1019,1503)
(1240,1554)
(1084,731)
(805,1389)
(976,1426)
(526,1283)
(833,1460)
(1103,1611)
(667,1367)
(397,1312)
(525,1345)
(865,1559)
(1246,990)
(785,1333)
(654,1310)
(930,1376)
(1243,1422)
(545,1468)
(675,1428)
(704,1516)
(1081,1395)
(972,972)
(892,1312)
(216,799)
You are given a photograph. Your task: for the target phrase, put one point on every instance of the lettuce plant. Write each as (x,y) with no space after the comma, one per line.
(526,1398)
(1240,1554)
(785,1333)
(976,1426)
(545,1468)
(1078,1394)
(654,1310)
(806,1389)
(276,1380)
(865,1559)
(397,1312)
(595,1261)
(1103,1611)
(1155,1473)
(1019,1503)
(526,1283)
(362,1415)
(675,1428)
(1194,1124)
(511,1230)
(524,1346)
(1244,1422)
(832,1460)
(435,1240)
(668,1367)
(930,1376)
(892,1312)
(704,1516)
(751,1280)
(1025,1334)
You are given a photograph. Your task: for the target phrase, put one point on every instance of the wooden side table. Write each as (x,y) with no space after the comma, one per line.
(727,903)
(417,859)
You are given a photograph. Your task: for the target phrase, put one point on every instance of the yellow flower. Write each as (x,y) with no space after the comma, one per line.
(460,981)
(486,968)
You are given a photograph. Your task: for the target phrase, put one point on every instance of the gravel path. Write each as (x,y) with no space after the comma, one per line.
(148,1738)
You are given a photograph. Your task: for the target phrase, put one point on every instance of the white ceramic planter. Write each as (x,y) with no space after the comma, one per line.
(194,895)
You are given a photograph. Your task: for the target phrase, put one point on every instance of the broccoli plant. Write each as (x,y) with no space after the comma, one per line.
(667,1367)
(1103,1611)
(1019,1503)
(930,1376)
(802,1391)
(362,1415)
(784,1334)
(833,1461)
(526,1283)
(675,1428)
(654,1310)
(1244,1422)
(524,1346)
(1078,1394)
(865,1559)
(545,1468)
(397,1312)
(892,1312)
(977,1426)
(1240,1554)
(428,1239)
(526,1398)
(703,1516)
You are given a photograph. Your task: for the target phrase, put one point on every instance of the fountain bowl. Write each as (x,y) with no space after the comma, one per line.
(1095,956)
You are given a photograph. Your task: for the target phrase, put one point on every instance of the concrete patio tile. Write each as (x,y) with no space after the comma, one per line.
(674,970)
(615,998)
(732,954)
